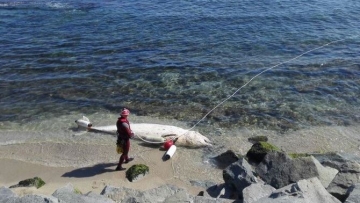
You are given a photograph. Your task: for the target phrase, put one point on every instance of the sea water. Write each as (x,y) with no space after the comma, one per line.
(173,62)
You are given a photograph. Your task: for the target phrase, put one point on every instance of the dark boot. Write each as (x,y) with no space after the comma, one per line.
(128,160)
(119,168)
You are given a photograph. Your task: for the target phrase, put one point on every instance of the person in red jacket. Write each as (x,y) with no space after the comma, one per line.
(124,134)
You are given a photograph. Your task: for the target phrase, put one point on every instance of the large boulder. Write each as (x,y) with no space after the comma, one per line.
(8,196)
(335,159)
(326,173)
(258,151)
(69,194)
(239,175)
(348,175)
(304,191)
(278,169)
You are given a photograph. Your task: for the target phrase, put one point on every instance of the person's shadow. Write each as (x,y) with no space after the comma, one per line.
(90,170)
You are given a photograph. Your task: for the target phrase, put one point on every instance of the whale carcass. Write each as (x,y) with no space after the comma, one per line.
(154,133)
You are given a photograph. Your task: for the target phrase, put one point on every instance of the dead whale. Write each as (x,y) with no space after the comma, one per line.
(154,133)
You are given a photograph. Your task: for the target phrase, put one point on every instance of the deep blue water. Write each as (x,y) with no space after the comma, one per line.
(179,59)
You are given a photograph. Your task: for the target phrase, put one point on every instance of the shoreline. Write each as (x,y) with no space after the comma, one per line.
(90,179)
(95,164)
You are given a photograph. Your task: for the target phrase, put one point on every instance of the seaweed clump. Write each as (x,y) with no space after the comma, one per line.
(36,182)
(136,172)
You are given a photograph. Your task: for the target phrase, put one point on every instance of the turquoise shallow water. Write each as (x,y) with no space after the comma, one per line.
(175,61)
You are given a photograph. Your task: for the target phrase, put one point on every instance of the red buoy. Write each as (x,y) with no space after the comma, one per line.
(168,144)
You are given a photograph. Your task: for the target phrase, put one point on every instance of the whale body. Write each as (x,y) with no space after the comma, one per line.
(153,133)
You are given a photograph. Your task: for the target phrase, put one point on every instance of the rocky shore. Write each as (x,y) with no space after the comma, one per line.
(265,174)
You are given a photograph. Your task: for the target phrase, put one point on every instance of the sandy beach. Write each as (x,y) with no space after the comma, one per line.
(61,163)
(96,177)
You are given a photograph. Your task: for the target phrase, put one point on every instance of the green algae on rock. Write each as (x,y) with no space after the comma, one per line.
(258,151)
(36,182)
(136,172)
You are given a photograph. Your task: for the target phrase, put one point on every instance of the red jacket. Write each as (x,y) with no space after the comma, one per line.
(123,128)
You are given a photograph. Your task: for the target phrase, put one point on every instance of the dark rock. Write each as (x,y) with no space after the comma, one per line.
(31,182)
(239,175)
(137,172)
(278,169)
(201,193)
(349,174)
(222,191)
(225,159)
(214,191)
(258,151)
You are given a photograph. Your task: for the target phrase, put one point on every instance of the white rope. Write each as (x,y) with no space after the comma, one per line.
(292,59)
